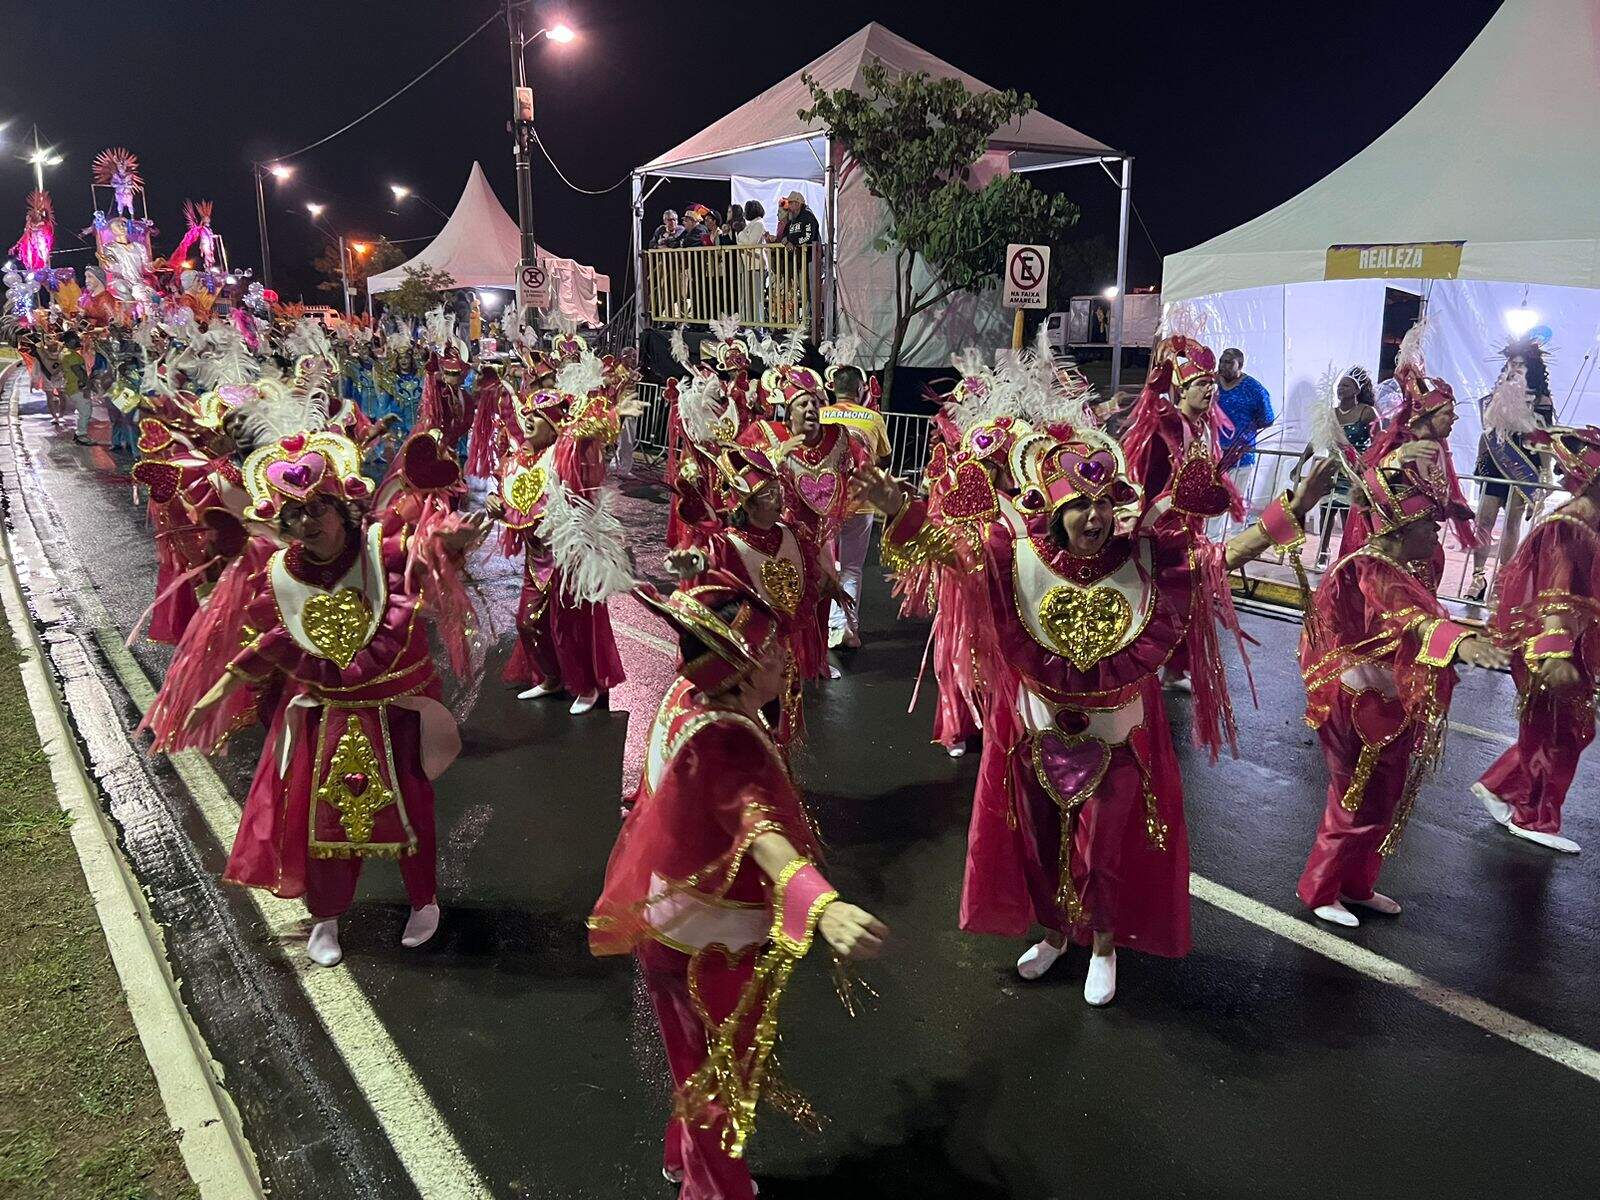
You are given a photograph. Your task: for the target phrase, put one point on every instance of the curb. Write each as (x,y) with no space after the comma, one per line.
(215,1151)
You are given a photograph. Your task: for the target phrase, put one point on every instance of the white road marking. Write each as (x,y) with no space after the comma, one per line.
(1488,735)
(421,1138)
(1512,1028)
(645,639)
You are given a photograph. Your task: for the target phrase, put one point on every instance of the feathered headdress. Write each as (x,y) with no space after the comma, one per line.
(225,360)
(708,412)
(118,169)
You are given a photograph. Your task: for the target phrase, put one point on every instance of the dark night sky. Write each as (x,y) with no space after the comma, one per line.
(1229,108)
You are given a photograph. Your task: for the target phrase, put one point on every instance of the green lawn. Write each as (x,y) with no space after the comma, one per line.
(80,1117)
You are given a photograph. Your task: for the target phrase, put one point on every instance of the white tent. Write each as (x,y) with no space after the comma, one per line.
(480,246)
(765,140)
(1502,156)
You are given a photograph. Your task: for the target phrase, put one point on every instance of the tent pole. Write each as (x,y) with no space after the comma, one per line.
(638,262)
(1126,191)
(831,175)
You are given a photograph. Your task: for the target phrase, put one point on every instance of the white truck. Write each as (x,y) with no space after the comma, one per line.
(1089,323)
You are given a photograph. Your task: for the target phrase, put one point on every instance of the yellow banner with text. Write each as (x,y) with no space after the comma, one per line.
(1394,260)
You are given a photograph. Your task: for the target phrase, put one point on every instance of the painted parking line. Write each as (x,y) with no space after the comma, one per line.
(1491,1019)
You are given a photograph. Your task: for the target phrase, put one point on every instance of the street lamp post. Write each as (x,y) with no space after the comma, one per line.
(522,126)
(279,172)
(42,157)
(400,193)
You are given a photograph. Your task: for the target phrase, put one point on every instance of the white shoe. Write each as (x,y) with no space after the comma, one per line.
(540,690)
(1377,902)
(1498,810)
(835,638)
(1038,959)
(834,672)
(322,947)
(584,703)
(421,925)
(956,751)
(1101,984)
(1336,914)
(1553,840)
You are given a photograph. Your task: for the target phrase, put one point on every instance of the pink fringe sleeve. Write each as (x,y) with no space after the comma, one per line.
(211,642)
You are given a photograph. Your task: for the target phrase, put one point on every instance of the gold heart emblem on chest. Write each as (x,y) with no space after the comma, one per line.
(780,579)
(336,624)
(526,489)
(1086,624)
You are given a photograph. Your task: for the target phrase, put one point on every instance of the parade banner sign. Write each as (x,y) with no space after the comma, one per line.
(1394,260)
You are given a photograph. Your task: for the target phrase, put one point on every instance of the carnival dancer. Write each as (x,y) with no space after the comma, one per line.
(1377,656)
(326,639)
(817,462)
(1078,820)
(773,559)
(1548,616)
(556,511)
(1417,430)
(714,881)
(1175,434)
(446,405)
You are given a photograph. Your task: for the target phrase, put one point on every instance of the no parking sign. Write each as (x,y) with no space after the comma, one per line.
(1027,276)
(533,286)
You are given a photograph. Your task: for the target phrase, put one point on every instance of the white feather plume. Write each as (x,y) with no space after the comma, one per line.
(588,543)
(725,326)
(680,349)
(1325,435)
(1410,353)
(399,342)
(308,338)
(1509,408)
(841,351)
(225,359)
(441,327)
(276,411)
(581,376)
(702,405)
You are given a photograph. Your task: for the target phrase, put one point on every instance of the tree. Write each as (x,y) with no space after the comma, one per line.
(915,139)
(364,259)
(421,290)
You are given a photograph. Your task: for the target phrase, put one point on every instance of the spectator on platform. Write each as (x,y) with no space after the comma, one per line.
(668,233)
(800,227)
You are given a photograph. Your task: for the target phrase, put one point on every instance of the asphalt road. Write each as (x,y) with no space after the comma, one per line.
(1255,1067)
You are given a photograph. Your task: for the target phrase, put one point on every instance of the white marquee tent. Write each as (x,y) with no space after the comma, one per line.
(763,148)
(480,246)
(1502,156)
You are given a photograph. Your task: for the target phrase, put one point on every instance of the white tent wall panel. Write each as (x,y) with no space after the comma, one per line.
(1291,334)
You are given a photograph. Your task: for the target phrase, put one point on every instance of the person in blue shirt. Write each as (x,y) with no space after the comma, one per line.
(1244,401)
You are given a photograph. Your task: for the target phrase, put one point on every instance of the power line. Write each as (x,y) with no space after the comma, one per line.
(568,182)
(428,71)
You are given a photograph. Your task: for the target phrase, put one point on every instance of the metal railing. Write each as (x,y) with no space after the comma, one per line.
(772,286)
(1271,474)
(908,433)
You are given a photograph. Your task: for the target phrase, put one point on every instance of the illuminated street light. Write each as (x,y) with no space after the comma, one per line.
(400,193)
(560,33)
(1520,320)
(316,210)
(280,172)
(1110,293)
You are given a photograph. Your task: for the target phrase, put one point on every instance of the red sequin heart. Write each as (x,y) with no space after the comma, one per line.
(161,478)
(294,443)
(427,465)
(153,435)
(356,782)
(971,496)
(1198,489)
(1378,718)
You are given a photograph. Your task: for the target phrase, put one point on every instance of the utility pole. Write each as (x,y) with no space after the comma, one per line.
(344,277)
(521,136)
(261,228)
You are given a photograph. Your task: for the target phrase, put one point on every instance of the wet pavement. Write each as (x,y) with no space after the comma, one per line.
(1256,1067)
